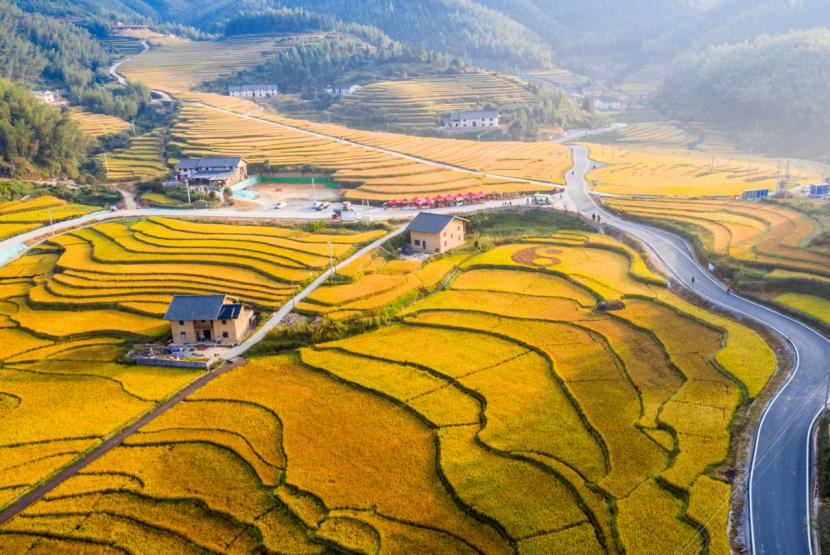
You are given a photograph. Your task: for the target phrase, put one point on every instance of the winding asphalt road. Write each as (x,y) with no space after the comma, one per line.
(779,491)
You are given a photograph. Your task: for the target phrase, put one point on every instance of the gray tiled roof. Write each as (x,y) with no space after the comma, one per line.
(474,115)
(430,223)
(198,163)
(251,87)
(195,307)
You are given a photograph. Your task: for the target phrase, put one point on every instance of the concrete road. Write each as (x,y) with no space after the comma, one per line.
(779,493)
(232,356)
(17,246)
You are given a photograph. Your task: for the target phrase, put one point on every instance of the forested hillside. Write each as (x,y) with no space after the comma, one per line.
(38,48)
(36,140)
(772,88)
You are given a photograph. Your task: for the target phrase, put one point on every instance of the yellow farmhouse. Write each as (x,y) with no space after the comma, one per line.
(436,232)
(216,319)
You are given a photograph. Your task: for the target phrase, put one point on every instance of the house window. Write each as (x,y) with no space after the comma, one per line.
(225,334)
(182,333)
(224,322)
(181,322)
(417,242)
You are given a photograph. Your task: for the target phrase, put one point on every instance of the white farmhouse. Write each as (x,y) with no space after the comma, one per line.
(254,91)
(343,90)
(472,120)
(47,97)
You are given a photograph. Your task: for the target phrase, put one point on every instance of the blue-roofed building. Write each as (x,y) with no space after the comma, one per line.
(819,190)
(436,232)
(214,319)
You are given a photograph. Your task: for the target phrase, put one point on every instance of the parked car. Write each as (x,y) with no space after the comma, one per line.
(280,205)
(319,205)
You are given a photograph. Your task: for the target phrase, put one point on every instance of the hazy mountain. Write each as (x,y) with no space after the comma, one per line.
(766,89)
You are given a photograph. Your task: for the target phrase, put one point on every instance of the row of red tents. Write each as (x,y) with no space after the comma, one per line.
(439,199)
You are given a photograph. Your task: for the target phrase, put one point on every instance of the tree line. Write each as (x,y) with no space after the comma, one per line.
(769,91)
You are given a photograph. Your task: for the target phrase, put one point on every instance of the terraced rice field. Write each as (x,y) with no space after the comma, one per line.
(178,67)
(98,125)
(501,413)
(772,238)
(372,284)
(683,172)
(122,46)
(143,159)
(687,159)
(69,310)
(370,174)
(20,216)
(416,104)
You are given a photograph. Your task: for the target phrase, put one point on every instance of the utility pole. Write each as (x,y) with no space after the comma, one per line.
(313,190)
(293,296)
(824,168)
(331,257)
(106,164)
(51,223)
(187,187)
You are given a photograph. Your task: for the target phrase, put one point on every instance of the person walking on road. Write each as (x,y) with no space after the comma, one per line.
(693,280)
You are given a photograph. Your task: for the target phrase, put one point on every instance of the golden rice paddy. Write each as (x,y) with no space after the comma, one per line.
(501,411)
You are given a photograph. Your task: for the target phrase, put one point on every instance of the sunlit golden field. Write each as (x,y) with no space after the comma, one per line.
(68,311)
(501,412)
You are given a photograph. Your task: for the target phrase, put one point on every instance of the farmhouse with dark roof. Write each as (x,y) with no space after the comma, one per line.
(436,232)
(216,319)
(215,172)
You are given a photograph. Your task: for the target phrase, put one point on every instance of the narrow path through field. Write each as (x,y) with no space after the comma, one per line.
(231,356)
(778,478)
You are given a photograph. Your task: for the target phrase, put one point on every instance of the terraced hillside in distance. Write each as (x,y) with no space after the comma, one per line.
(239,127)
(689,159)
(143,159)
(368,174)
(178,66)
(70,309)
(417,104)
(779,248)
(505,411)
(20,216)
(98,125)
